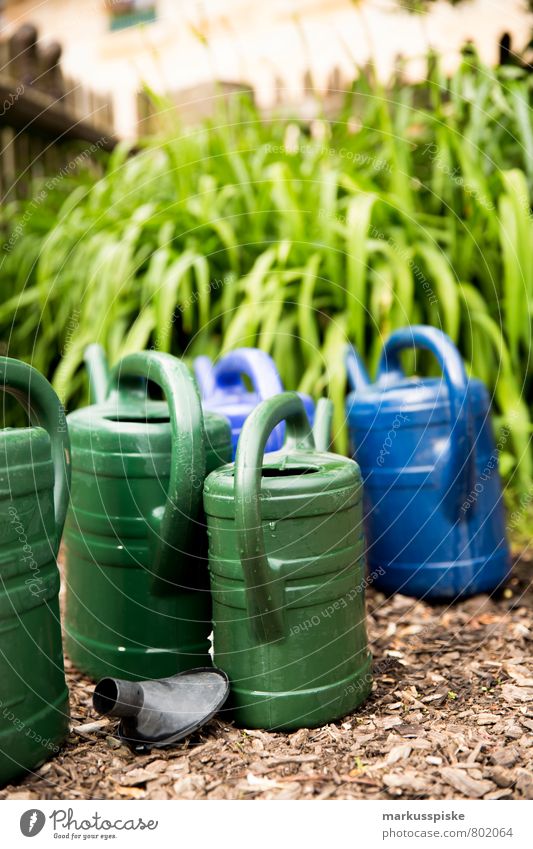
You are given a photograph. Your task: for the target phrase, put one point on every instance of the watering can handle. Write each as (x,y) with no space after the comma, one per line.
(45,410)
(358,378)
(203,372)
(255,364)
(431,339)
(264,599)
(173,524)
(98,371)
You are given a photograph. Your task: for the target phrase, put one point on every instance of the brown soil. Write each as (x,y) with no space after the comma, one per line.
(450,716)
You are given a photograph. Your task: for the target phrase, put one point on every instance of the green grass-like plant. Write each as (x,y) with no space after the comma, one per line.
(413,206)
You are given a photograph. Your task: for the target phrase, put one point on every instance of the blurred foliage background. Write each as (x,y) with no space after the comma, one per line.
(413,205)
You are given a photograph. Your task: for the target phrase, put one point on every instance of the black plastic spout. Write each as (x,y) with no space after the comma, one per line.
(115,697)
(161,712)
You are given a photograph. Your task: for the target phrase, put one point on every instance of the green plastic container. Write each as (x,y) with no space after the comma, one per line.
(287,576)
(34,483)
(138,601)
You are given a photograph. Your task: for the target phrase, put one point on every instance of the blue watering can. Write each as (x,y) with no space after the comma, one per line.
(433,503)
(224,390)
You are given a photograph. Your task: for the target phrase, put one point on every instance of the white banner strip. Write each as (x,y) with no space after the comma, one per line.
(268,825)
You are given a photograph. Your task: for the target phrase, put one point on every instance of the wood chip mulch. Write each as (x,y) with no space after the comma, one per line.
(450,716)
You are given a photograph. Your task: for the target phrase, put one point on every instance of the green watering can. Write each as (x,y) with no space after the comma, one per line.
(138,602)
(287,575)
(34,484)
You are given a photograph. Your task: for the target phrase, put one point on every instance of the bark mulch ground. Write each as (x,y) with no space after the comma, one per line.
(450,716)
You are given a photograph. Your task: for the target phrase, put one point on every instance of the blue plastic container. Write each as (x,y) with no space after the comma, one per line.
(433,503)
(224,389)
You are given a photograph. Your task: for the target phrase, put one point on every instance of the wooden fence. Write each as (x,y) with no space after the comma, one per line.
(46,119)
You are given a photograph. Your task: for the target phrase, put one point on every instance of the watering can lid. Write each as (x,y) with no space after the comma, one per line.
(129,419)
(116,408)
(419,397)
(312,482)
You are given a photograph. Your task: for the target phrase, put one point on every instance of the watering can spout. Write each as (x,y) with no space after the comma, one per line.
(98,371)
(322,424)
(357,374)
(162,711)
(205,377)
(116,697)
